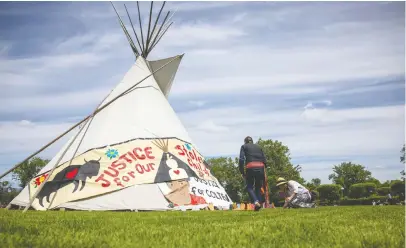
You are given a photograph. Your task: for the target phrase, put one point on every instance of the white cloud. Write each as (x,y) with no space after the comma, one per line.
(25,137)
(177,7)
(327,102)
(87,99)
(322,169)
(210,127)
(361,131)
(95,42)
(198,6)
(4,48)
(25,123)
(260,65)
(64,57)
(192,34)
(257,68)
(197,103)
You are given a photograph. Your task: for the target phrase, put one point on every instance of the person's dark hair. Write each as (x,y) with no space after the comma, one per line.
(248,139)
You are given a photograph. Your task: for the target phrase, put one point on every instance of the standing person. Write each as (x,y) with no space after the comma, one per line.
(389,199)
(296,194)
(252,167)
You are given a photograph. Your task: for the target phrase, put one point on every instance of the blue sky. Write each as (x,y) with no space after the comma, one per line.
(326,79)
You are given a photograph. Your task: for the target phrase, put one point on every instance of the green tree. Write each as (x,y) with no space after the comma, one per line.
(387,183)
(329,192)
(5,187)
(313,184)
(7,192)
(347,174)
(279,165)
(383,191)
(360,190)
(278,161)
(226,171)
(316,182)
(310,186)
(398,187)
(374,180)
(26,171)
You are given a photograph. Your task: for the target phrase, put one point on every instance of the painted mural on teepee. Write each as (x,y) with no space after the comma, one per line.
(72,174)
(178,193)
(171,168)
(115,167)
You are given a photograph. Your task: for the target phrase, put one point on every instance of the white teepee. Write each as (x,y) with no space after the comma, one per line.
(134,153)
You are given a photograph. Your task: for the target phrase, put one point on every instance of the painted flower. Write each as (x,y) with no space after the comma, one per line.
(112,153)
(40,179)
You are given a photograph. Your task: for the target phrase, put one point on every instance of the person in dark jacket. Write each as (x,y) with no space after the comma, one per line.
(252,165)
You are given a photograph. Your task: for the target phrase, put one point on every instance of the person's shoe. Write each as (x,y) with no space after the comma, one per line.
(257,206)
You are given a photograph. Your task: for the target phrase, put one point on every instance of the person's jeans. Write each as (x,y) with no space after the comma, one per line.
(255,179)
(301,200)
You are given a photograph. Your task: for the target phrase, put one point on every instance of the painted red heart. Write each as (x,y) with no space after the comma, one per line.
(72,174)
(176,172)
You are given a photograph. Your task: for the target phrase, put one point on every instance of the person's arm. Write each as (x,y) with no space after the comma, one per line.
(295,190)
(286,203)
(242,161)
(291,197)
(288,199)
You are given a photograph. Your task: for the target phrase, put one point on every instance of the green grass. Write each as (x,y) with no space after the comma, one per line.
(325,227)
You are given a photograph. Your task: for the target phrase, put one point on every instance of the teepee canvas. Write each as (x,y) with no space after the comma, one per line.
(133,153)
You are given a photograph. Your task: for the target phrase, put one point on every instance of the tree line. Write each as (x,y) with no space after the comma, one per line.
(351,183)
(22,174)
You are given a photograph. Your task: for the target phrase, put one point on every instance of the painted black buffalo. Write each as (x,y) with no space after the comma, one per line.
(72,173)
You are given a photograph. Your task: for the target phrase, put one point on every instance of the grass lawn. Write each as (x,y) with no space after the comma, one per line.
(325,227)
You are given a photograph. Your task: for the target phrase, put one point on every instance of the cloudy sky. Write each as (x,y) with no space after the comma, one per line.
(326,79)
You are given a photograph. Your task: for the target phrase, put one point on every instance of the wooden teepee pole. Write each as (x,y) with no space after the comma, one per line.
(44,147)
(87,125)
(50,173)
(266,190)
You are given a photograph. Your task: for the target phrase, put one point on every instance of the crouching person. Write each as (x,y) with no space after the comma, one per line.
(296,195)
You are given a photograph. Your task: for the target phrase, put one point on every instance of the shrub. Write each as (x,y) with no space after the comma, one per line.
(398,187)
(360,190)
(362,201)
(366,200)
(329,192)
(383,191)
(317,194)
